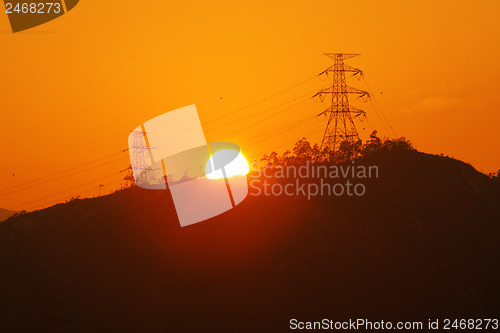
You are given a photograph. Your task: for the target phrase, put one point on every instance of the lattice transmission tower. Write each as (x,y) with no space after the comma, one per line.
(340,126)
(139,151)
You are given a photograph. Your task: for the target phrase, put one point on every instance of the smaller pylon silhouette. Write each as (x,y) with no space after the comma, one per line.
(139,162)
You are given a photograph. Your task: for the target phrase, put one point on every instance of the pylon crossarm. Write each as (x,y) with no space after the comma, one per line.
(356,111)
(343,90)
(343,55)
(351,109)
(361,115)
(345,68)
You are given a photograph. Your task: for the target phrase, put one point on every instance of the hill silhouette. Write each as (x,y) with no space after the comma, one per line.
(421,244)
(6,213)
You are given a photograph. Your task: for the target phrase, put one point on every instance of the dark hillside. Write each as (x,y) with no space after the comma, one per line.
(422,243)
(5,214)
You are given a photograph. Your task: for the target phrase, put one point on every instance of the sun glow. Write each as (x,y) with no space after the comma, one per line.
(236,166)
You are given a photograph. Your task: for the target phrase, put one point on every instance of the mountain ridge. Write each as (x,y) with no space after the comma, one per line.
(6,213)
(422,242)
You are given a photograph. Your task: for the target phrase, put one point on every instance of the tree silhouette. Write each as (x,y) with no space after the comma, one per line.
(303,152)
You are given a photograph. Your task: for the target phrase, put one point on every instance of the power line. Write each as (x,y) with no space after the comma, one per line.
(59,175)
(56,201)
(268,117)
(293,141)
(377,105)
(262,100)
(377,108)
(262,112)
(67,190)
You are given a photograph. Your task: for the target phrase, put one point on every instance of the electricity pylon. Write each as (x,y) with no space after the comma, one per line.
(138,158)
(340,126)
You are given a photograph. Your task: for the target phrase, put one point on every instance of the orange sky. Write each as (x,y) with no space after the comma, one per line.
(72,89)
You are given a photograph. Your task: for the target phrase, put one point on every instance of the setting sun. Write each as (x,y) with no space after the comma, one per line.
(237,164)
